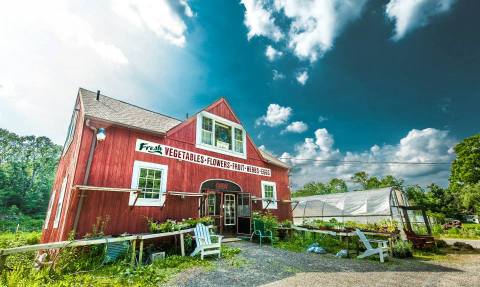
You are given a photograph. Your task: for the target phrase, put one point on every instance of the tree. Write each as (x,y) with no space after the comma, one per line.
(27,169)
(335,185)
(361,178)
(470,198)
(465,168)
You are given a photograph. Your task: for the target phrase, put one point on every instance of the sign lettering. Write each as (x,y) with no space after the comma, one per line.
(176,153)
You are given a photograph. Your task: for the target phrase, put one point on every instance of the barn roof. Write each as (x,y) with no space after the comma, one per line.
(273,160)
(125,114)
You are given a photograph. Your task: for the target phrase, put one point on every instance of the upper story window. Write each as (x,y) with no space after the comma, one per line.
(220,135)
(71,130)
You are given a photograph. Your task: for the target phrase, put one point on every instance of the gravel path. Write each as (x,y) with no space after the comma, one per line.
(257,265)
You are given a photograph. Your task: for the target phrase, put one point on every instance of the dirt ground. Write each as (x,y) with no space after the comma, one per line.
(268,266)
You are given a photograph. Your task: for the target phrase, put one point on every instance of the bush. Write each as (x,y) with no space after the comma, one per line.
(402,249)
(172,225)
(269,220)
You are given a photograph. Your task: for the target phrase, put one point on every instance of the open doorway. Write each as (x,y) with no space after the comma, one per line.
(228,205)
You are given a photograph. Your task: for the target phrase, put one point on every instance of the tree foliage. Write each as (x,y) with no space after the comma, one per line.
(371,182)
(335,185)
(27,169)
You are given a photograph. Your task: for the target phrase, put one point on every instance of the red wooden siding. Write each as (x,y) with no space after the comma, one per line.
(112,166)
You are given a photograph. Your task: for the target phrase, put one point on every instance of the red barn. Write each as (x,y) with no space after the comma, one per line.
(128,164)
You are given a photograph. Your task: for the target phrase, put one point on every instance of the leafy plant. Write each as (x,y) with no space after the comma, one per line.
(402,249)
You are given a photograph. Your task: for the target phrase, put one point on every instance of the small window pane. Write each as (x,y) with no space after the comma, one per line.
(207,124)
(150,183)
(223,136)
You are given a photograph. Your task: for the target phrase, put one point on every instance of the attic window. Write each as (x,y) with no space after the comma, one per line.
(220,135)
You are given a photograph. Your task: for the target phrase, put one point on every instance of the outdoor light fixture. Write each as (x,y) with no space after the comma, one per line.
(101,135)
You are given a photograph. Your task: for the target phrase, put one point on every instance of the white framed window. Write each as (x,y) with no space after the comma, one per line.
(151,178)
(58,213)
(269,190)
(49,211)
(220,135)
(71,131)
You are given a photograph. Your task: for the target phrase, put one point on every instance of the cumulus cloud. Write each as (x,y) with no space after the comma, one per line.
(259,20)
(272,53)
(296,127)
(49,49)
(411,14)
(316,159)
(314,24)
(160,17)
(276,115)
(302,77)
(277,75)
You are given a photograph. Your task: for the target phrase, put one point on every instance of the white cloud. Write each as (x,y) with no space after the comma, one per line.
(264,148)
(276,115)
(277,75)
(50,49)
(272,53)
(296,127)
(259,20)
(317,159)
(411,14)
(158,16)
(302,77)
(316,23)
(322,119)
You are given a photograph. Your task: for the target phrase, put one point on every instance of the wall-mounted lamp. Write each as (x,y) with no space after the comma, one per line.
(101,135)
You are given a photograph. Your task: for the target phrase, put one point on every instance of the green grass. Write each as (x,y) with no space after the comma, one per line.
(299,243)
(467,231)
(83,267)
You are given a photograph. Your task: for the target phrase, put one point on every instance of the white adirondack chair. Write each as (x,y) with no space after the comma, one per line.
(203,239)
(381,250)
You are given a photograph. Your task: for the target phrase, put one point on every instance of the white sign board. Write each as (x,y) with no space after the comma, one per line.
(181,154)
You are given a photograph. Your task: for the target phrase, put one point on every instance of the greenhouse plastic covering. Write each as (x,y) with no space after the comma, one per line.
(366,206)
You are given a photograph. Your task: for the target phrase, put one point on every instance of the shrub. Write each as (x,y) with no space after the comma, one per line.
(172,225)
(402,249)
(269,220)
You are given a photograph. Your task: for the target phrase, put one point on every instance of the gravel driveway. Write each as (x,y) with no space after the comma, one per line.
(269,266)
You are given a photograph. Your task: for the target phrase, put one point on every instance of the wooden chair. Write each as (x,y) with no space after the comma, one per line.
(203,239)
(259,230)
(381,250)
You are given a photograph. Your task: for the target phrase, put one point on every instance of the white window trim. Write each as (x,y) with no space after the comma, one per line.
(213,148)
(49,211)
(272,205)
(58,213)
(163,187)
(71,131)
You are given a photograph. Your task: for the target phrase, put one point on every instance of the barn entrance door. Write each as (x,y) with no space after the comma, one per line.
(228,206)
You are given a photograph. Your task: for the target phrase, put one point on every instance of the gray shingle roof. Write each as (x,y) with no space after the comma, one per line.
(273,160)
(122,113)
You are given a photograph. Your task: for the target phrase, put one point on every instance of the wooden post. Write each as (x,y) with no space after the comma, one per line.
(140,253)
(182,244)
(132,261)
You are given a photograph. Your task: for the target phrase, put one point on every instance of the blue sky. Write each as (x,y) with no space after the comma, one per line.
(312,80)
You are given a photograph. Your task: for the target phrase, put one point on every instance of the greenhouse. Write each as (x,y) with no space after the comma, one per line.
(366,206)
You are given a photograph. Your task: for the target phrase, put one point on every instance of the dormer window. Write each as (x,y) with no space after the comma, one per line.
(220,135)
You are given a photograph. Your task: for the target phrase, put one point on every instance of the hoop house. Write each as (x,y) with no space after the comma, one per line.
(367,206)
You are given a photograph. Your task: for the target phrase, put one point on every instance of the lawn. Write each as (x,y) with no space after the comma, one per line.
(83,266)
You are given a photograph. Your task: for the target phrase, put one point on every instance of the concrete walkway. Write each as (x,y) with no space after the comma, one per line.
(269,266)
